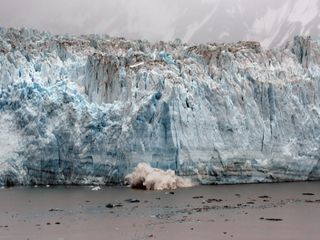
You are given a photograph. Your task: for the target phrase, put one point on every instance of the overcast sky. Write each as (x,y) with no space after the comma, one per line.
(92,16)
(190,20)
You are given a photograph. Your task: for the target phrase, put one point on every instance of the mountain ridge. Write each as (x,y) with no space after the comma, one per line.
(270,22)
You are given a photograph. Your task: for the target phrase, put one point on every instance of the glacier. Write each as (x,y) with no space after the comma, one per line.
(88,109)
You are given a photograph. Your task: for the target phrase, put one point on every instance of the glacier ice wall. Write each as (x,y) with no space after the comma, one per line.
(88,109)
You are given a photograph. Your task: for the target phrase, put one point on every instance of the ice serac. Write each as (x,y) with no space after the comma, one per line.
(88,109)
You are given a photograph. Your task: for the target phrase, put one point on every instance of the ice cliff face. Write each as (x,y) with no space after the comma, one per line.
(88,109)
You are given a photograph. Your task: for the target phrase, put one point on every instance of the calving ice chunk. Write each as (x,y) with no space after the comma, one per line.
(146,177)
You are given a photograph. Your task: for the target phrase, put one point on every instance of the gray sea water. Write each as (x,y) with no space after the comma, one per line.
(255,211)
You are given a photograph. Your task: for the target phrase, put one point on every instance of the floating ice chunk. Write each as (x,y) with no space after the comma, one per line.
(96,188)
(147,177)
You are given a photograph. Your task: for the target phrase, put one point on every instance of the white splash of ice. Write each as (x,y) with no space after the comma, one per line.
(146,177)
(96,188)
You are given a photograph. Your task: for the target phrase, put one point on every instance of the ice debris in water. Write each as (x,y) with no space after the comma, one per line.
(146,177)
(96,188)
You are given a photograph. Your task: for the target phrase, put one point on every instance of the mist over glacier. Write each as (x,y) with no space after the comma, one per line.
(88,109)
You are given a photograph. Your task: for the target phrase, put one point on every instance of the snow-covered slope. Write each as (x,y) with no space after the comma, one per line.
(271,22)
(88,109)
